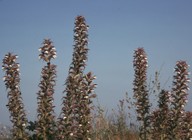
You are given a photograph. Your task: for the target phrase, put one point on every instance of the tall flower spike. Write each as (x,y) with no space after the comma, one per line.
(179,99)
(15,105)
(76,104)
(46,118)
(141,92)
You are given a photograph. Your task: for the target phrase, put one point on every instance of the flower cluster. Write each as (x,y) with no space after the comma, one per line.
(87,93)
(141,92)
(80,46)
(48,51)
(186,129)
(15,105)
(11,77)
(180,85)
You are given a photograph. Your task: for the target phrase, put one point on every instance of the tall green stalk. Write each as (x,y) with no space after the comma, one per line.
(141,92)
(15,105)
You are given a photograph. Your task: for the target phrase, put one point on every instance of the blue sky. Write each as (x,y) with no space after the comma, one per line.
(117,28)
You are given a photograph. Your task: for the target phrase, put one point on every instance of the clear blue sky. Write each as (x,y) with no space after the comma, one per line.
(117,28)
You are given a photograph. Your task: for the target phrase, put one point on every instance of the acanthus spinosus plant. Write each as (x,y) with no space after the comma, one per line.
(15,105)
(74,121)
(179,99)
(141,93)
(46,118)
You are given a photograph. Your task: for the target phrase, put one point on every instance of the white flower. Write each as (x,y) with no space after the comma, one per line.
(86,97)
(76,35)
(41,93)
(39,49)
(46,52)
(64,117)
(54,56)
(23,124)
(71,134)
(94,77)
(80,125)
(82,25)
(4,78)
(84,39)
